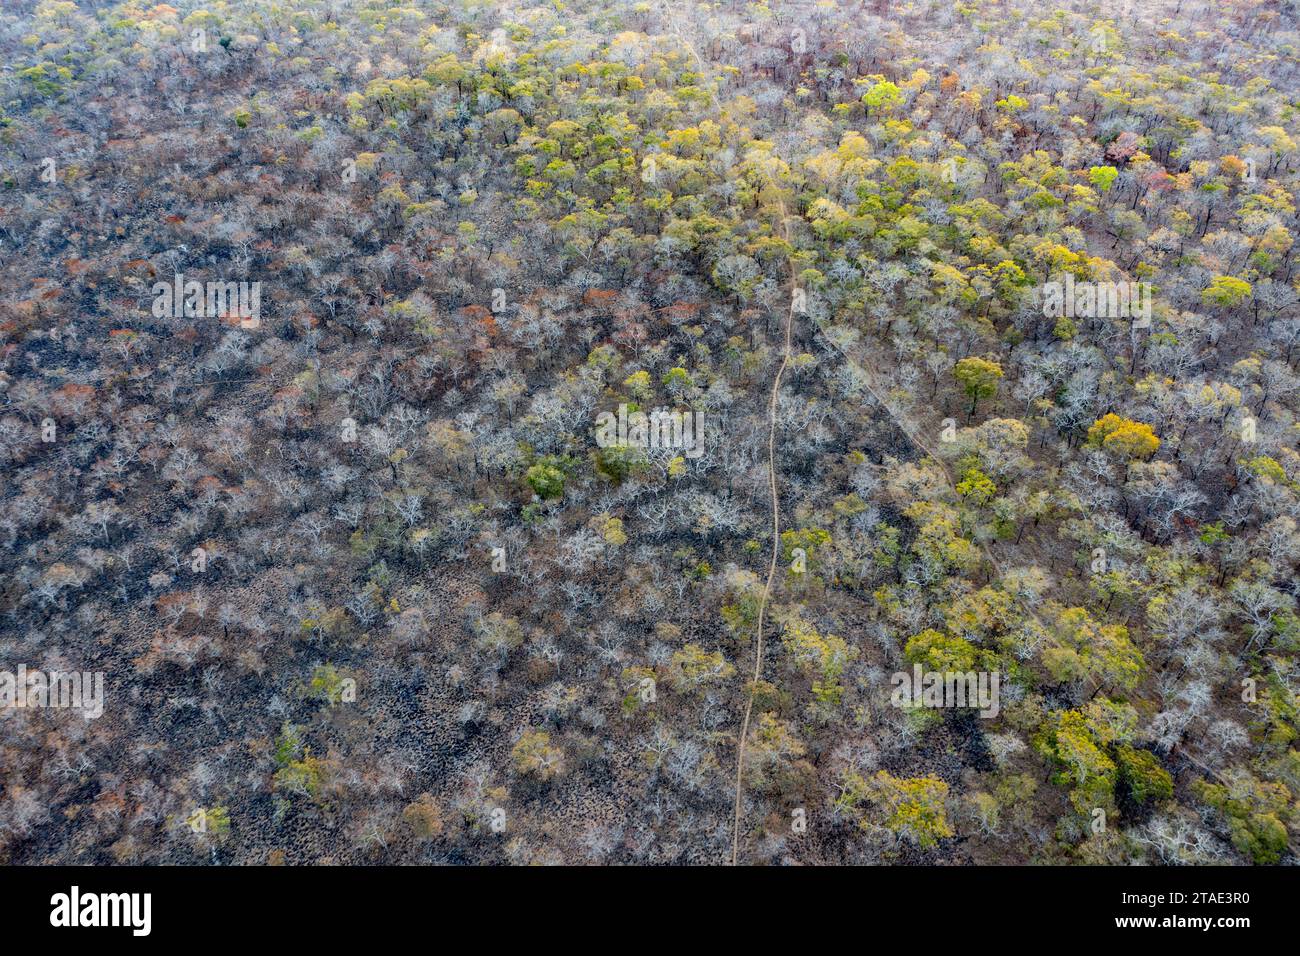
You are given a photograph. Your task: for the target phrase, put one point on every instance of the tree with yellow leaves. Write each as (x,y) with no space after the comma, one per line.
(535,756)
(912,809)
(1123,437)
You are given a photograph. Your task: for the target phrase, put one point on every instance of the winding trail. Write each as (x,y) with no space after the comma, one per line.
(773,401)
(908,430)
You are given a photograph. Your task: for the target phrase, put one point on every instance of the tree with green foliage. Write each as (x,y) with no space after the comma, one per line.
(912,809)
(546,479)
(978,378)
(1256,813)
(1141,778)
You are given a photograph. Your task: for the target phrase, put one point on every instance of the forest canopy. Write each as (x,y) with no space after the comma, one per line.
(612,432)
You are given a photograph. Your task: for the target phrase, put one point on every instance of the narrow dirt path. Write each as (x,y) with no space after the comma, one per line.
(772,404)
(908,430)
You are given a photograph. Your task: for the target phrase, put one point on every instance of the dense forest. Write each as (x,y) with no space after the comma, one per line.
(563,431)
